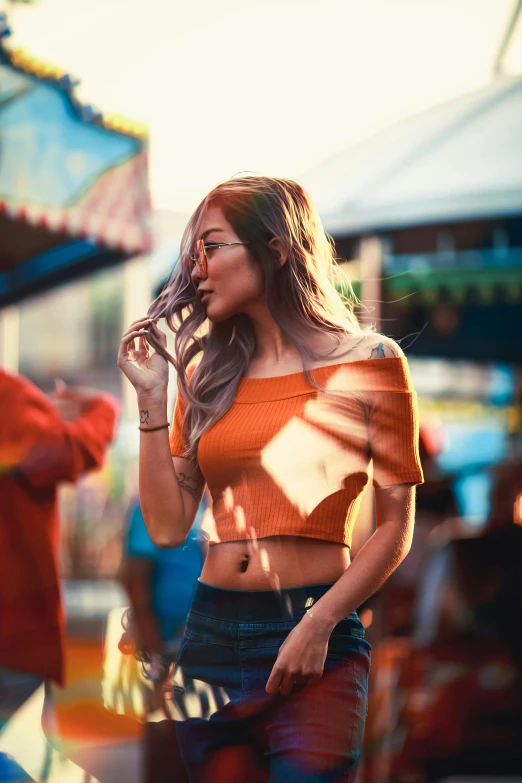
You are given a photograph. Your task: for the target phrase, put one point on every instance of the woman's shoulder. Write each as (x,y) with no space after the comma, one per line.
(362,369)
(371,345)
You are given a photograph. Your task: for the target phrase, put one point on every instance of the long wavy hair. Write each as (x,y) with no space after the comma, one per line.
(301,295)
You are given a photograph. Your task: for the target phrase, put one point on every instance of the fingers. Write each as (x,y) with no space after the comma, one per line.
(151,341)
(274,681)
(281,681)
(127,342)
(143,327)
(141,323)
(142,320)
(162,337)
(287,683)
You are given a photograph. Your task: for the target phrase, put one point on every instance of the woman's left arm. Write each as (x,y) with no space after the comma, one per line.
(376,561)
(301,657)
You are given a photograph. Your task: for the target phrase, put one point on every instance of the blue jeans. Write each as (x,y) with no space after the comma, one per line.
(229,729)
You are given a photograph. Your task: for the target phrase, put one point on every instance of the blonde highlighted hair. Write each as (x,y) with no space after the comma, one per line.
(301,295)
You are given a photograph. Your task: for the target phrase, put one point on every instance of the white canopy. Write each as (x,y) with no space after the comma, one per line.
(461,160)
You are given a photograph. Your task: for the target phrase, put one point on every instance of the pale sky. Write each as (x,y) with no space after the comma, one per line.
(272,86)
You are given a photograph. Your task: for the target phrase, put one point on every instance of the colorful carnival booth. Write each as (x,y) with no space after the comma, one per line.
(74,194)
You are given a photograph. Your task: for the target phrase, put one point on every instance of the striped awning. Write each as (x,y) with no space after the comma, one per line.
(74,193)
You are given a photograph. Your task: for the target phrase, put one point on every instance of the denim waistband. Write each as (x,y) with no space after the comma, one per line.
(251,606)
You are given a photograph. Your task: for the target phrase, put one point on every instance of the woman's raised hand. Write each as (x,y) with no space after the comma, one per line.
(145,368)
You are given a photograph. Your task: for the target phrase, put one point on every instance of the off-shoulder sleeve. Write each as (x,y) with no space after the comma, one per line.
(178,445)
(393,427)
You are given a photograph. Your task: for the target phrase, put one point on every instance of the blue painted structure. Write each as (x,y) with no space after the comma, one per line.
(73,184)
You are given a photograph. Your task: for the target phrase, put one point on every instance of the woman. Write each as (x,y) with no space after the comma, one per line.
(281,417)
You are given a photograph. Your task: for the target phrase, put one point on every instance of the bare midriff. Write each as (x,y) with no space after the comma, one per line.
(274,562)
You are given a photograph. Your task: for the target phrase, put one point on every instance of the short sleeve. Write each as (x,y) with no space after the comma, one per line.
(393,435)
(178,446)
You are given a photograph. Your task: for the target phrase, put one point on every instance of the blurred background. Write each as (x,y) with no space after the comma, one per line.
(403,118)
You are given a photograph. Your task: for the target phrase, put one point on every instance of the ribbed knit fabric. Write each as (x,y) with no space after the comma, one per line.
(287,459)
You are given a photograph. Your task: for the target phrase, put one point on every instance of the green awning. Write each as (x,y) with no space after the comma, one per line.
(456,285)
(481,276)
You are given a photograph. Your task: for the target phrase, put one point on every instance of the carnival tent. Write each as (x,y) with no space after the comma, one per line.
(444,190)
(74,193)
(458,161)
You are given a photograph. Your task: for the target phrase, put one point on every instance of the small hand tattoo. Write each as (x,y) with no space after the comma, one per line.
(189,484)
(144,417)
(378,352)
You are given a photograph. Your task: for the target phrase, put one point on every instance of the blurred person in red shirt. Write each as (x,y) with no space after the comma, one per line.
(44,440)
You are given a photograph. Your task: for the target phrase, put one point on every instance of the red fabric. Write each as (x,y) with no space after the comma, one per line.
(37,452)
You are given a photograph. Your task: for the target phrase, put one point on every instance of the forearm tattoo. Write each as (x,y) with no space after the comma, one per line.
(189,484)
(144,417)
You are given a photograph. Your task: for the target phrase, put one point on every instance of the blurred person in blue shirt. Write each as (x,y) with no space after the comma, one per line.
(160,583)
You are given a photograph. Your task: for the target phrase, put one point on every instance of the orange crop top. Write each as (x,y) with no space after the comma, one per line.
(287,459)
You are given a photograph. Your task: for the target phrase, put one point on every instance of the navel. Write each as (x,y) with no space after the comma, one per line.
(244,563)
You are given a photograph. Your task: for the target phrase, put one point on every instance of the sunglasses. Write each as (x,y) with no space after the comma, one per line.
(199,256)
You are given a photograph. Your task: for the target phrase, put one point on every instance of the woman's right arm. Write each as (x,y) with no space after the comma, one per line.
(170,488)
